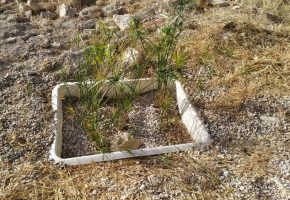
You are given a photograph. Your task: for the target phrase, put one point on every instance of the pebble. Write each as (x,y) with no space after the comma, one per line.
(89,24)
(94,192)
(56,45)
(90,12)
(45,43)
(11,40)
(28,14)
(269,119)
(7,12)
(64,10)
(129,56)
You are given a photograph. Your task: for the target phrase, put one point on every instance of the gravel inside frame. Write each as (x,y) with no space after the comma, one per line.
(144,122)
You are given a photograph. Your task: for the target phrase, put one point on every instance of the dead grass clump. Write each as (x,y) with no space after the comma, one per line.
(233,99)
(255,165)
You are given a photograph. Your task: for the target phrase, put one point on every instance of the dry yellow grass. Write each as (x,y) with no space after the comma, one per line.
(278,7)
(241,56)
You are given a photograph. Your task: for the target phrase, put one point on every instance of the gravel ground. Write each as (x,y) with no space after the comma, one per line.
(250,156)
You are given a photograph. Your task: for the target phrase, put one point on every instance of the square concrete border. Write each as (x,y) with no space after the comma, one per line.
(189,117)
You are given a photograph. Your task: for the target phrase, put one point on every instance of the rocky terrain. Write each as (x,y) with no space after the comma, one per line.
(238,78)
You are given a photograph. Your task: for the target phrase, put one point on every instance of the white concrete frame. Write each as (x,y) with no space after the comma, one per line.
(189,117)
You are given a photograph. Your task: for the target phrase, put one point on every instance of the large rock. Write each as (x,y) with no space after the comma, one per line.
(122,21)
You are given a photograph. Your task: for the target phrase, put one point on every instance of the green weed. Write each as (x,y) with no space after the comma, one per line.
(29,87)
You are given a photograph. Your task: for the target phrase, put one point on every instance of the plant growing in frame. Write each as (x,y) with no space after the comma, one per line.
(102,64)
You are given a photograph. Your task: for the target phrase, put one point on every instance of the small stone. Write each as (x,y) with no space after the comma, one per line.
(269,119)
(94,192)
(236,7)
(142,187)
(89,24)
(48,15)
(66,23)
(122,21)
(225,173)
(7,12)
(122,137)
(56,45)
(231,26)
(129,56)
(23,7)
(3,17)
(90,12)
(131,145)
(36,6)
(11,18)
(109,10)
(122,11)
(49,65)
(64,10)
(274,18)
(32,72)
(11,40)
(220,3)
(45,44)
(28,14)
